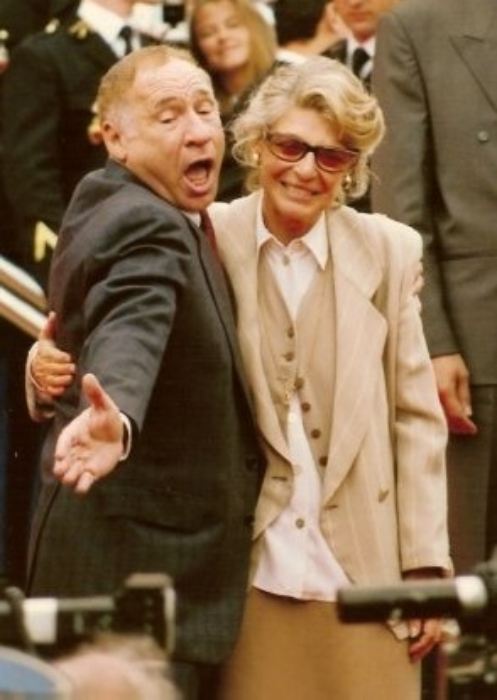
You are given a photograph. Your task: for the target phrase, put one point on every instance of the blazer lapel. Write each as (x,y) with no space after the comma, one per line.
(360,338)
(475,44)
(237,245)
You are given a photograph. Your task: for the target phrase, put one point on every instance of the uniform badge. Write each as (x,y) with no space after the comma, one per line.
(44,239)
(80,29)
(52,26)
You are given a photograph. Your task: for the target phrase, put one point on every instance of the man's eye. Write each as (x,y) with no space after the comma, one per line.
(206,108)
(166,118)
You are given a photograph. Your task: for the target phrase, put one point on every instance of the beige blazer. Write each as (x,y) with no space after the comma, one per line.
(384,493)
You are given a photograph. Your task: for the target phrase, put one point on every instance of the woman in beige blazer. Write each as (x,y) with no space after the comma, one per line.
(332,344)
(333,348)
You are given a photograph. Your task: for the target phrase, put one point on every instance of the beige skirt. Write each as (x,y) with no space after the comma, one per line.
(299,650)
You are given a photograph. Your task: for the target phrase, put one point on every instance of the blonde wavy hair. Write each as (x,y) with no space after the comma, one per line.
(329,88)
(262,45)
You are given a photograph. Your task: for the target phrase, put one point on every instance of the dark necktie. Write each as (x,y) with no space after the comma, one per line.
(126,33)
(208,229)
(359,59)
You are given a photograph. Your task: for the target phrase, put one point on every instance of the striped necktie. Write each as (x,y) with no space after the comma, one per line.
(208,229)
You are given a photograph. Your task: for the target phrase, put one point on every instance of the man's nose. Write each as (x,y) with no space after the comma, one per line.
(199,130)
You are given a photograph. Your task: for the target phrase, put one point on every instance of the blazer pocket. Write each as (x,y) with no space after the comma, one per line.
(162,508)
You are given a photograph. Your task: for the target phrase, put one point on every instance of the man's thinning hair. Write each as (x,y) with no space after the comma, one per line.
(116,83)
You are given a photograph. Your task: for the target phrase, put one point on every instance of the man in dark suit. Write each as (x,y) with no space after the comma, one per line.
(433,76)
(51,138)
(141,301)
(357,50)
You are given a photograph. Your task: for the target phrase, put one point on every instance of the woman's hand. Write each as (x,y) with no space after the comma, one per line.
(51,369)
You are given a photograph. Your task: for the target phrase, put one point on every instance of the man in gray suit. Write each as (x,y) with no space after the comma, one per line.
(436,170)
(141,301)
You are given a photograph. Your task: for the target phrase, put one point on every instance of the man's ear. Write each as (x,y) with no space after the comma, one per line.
(114,141)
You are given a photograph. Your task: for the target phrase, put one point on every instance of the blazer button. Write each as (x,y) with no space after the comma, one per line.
(315,433)
(289,356)
(305,407)
(323,461)
(382,494)
(299,383)
(300,523)
(483,136)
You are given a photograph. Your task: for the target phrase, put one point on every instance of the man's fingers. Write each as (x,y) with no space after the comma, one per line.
(84,483)
(62,453)
(73,472)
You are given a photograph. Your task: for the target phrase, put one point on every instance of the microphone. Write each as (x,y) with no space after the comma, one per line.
(463,598)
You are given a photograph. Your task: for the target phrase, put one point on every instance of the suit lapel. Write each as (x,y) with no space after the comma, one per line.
(475,44)
(218,286)
(360,337)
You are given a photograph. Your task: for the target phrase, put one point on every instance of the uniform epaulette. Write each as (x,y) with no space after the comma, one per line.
(79,29)
(52,26)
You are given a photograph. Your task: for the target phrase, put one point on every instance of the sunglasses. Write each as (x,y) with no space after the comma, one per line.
(291,149)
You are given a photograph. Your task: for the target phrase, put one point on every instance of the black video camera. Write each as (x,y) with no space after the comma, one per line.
(51,626)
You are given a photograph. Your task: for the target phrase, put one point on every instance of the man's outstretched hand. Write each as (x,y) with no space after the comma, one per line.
(91,445)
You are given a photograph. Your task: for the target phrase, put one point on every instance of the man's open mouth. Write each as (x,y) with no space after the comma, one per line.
(198,173)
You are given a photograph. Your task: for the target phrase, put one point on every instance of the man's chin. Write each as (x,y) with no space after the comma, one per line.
(198,199)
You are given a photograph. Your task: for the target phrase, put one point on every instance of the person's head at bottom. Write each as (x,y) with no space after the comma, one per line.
(116,667)
(160,120)
(306,138)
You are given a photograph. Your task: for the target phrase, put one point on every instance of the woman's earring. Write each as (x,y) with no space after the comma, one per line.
(347,183)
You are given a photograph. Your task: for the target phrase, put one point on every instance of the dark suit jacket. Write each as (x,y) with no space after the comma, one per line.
(141,301)
(435,79)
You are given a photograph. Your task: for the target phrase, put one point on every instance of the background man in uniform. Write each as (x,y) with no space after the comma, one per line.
(51,135)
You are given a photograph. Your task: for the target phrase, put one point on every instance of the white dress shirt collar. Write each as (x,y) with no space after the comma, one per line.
(352,44)
(103,22)
(315,240)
